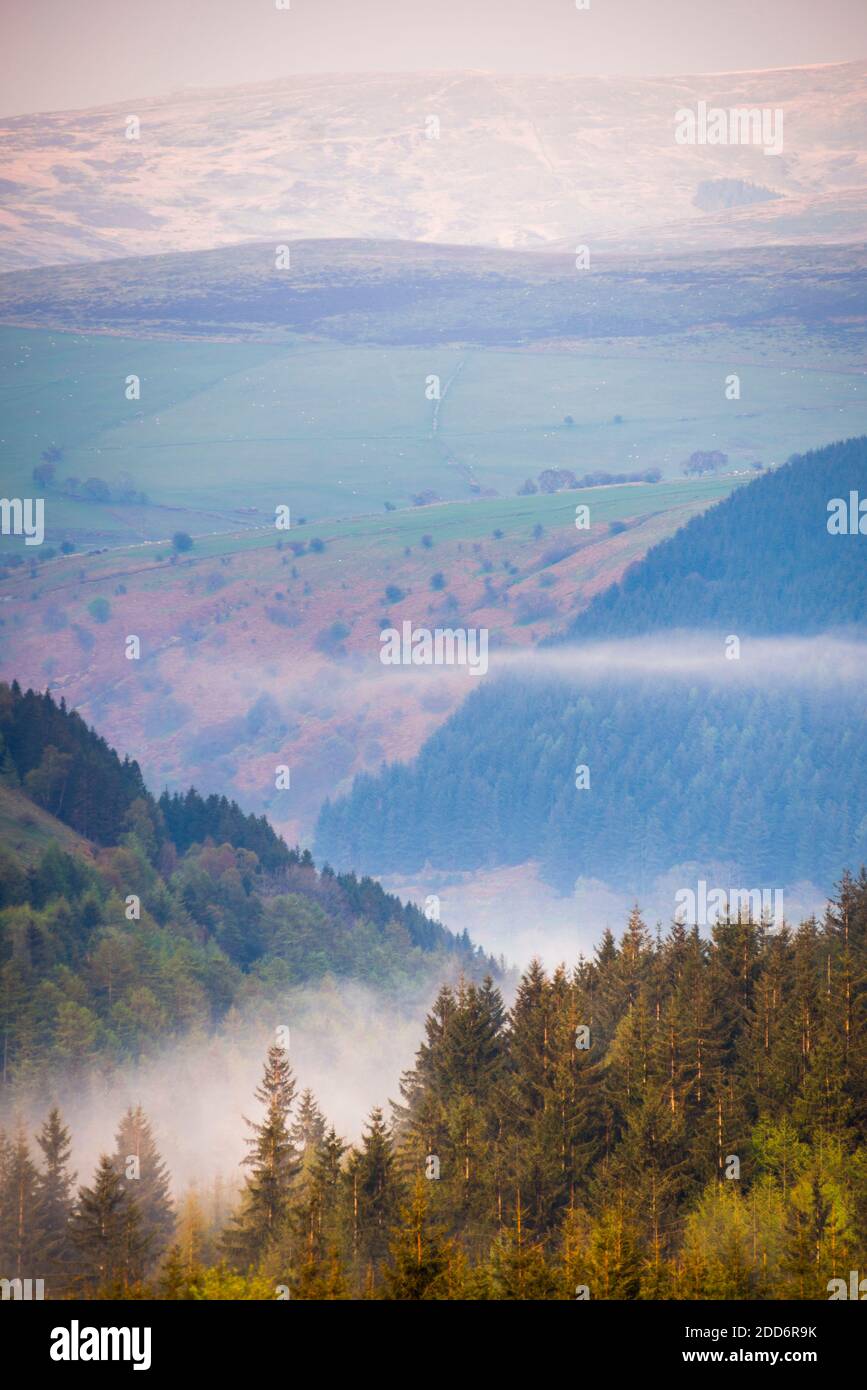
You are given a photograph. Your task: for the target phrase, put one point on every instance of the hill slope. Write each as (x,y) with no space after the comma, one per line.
(515,160)
(28,830)
(242,636)
(175,912)
(758,765)
(762,561)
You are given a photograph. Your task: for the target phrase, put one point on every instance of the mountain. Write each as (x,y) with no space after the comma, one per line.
(512,161)
(764,784)
(756,766)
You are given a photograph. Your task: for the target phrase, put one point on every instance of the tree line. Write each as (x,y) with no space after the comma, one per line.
(677,1117)
(766,782)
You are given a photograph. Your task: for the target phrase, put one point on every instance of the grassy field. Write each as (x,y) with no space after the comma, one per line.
(388,534)
(225,431)
(29,830)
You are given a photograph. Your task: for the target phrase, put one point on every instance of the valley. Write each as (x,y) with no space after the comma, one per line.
(253,654)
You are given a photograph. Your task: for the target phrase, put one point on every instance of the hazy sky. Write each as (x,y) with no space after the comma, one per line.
(60,54)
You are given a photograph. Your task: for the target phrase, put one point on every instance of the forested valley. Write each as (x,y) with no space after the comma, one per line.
(757,762)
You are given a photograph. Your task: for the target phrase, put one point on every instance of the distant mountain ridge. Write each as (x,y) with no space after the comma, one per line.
(399,292)
(461,157)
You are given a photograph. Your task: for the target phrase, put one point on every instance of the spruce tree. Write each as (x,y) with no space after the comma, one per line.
(22,1231)
(307,1133)
(193,1239)
(308,1129)
(136,1153)
(55,1195)
(418,1253)
(373,1191)
(107,1233)
(274,1163)
(519,1270)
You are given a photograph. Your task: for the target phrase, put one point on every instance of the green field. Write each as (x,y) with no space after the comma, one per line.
(225,431)
(387,536)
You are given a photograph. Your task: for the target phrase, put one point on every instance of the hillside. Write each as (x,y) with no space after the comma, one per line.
(754,767)
(172,914)
(491,159)
(765,785)
(566,1156)
(714,572)
(28,830)
(258,650)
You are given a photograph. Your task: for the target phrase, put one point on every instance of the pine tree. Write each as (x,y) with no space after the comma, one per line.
(518,1266)
(321,1280)
(613,1258)
(106,1231)
(193,1237)
(418,1252)
(22,1230)
(139,1163)
(274,1163)
(55,1195)
(373,1192)
(805,1260)
(307,1133)
(176,1276)
(308,1129)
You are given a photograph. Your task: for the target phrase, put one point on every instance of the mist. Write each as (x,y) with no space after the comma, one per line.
(766,661)
(511,912)
(347,1042)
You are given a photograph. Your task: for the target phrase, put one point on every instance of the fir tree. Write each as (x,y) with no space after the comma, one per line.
(55,1195)
(22,1228)
(373,1191)
(307,1133)
(519,1270)
(419,1252)
(274,1164)
(138,1162)
(106,1231)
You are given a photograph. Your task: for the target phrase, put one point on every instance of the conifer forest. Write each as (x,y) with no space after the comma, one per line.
(433,654)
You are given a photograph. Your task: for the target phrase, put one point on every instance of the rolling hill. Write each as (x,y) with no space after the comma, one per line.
(376,374)
(388,293)
(514,161)
(715,571)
